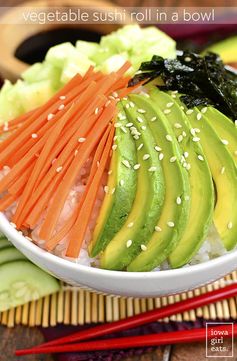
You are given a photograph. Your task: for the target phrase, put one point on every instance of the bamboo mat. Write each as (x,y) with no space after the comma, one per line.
(75,306)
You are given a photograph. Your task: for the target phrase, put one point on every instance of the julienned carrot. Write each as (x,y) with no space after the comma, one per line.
(70,222)
(21,180)
(77,233)
(14,124)
(56,206)
(123,69)
(7,201)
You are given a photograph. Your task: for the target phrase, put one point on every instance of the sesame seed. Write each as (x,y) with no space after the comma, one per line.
(174,91)
(173,95)
(193,131)
(170,224)
(107,103)
(34,136)
(224,141)
(200,157)
(152,169)
(61,107)
(121,182)
(128,125)
(187,59)
(58,170)
(186,154)
(139,119)
(121,116)
(125,98)
(173,159)
(180,138)
(140,146)
(187,198)
(127,106)
(146,156)
(158,229)
(168,137)
(141,111)
(130,225)
(132,105)
(106,189)
(153,119)
(136,137)
(161,156)
(169,105)
(189,111)
(129,243)
(185,164)
(110,172)
(76,151)
(178,200)
(50,116)
(123,129)
(126,163)
(62,97)
(137,166)
(143,127)
(184,134)
(222,170)
(114,146)
(197,130)
(81,140)
(188,167)
(167,111)
(158,149)
(117,125)
(203,110)
(196,139)
(177,125)
(53,161)
(199,116)
(182,107)
(230,225)
(113,190)
(146,95)
(115,94)
(143,247)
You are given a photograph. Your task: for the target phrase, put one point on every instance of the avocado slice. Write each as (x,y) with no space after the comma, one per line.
(140,224)
(227,49)
(175,212)
(224,174)
(122,184)
(202,190)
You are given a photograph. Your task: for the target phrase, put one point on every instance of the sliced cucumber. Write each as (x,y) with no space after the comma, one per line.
(9,254)
(21,282)
(4,243)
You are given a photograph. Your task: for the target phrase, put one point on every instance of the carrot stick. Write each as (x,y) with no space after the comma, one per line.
(123,69)
(78,231)
(7,201)
(62,192)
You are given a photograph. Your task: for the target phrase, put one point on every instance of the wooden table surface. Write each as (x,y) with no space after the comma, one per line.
(23,337)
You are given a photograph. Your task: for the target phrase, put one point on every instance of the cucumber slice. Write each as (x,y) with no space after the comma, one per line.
(21,282)
(9,254)
(4,243)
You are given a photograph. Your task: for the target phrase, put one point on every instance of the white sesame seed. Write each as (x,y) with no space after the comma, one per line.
(146,156)
(112,191)
(140,146)
(141,111)
(34,136)
(106,189)
(158,229)
(139,119)
(193,131)
(182,107)
(132,105)
(146,95)
(203,110)
(152,169)
(121,182)
(167,111)
(170,224)
(196,139)
(197,130)
(121,116)
(128,125)
(130,225)
(188,167)
(177,125)
(180,138)
(114,146)
(123,129)
(115,94)
(58,170)
(143,247)
(173,159)
(189,111)
(117,125)
(186,154)
(137,166)
(76,152)
(110,172)
(127,106)
(187,59)
(169,105)
(178,200)
(187,198)
(153,119)
(129,243)
(161,156)
(185,164)
(53,161)
(174,91)
(224,141)
(62,97)
(173,95)
(136,137)
(126,163)
(230,225)
(143,127)
(50,116)
(158,149)
(184,134)
(199,116)
(200,157)
(169,138)
(125,98)
(61,107)
(81,140)
(222,170)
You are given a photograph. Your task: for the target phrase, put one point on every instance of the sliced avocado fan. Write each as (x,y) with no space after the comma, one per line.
(122,186)
(223,169)
(139,226)
(175,212)
(202,190)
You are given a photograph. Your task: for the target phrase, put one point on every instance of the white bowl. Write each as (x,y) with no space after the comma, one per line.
(136,284)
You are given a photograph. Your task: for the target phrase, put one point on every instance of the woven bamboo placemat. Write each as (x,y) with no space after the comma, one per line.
(75,306)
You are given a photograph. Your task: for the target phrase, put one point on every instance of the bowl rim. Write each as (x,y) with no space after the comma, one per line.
(26,244)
